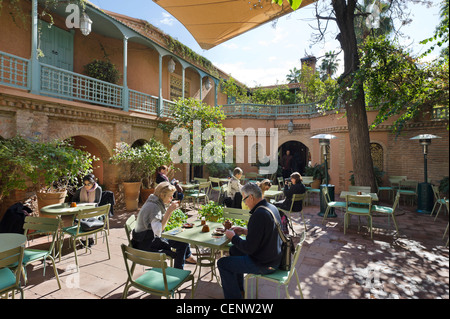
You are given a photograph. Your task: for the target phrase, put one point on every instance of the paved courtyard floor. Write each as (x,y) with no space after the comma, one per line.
(411,265)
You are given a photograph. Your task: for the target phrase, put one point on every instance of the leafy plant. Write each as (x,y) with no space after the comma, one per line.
(103,70)
(443,186)
(317,171)
(177,219)
(211,211)
(140,162)
(49,166)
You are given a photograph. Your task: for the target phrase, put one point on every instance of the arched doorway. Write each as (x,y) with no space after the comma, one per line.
(300,155)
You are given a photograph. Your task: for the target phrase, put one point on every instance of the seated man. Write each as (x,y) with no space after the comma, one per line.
(259,252)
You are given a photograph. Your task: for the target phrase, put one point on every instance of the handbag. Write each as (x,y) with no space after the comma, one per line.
(287,246)
(89,224)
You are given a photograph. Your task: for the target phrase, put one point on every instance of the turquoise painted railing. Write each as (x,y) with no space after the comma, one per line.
(269,111)
(13,71)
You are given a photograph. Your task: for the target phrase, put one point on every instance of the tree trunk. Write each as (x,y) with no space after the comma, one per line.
(354,99)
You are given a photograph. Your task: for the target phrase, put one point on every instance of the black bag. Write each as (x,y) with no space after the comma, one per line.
(287,247)
(89,224)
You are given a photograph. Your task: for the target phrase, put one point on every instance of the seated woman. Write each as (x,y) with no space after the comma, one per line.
(296,188)
(90,192)
(152,220)
(265,186)
(234,188)
(161,176)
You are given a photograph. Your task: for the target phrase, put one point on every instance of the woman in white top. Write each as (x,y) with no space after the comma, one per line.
(234,187)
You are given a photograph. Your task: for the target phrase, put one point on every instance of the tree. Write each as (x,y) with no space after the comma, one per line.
(351,87)
(329,65)
(294,75)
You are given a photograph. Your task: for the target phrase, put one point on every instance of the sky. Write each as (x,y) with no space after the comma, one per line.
(263,56)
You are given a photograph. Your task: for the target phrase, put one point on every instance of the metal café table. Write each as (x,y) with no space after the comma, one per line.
(197,238)
(11,240)
(272,194)
(345,193)
(65,209)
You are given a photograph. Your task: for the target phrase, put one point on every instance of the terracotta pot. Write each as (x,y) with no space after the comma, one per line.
(145,193)
(131,191)
(45,199)
(315,183)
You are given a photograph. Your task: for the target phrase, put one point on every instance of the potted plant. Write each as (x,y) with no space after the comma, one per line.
(103,70)
(211,211)
(57,165)
(48,167)
(318,173)
(137,164)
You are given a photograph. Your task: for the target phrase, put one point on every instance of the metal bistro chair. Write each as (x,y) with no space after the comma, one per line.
(38,226)
(295,198)
(76,231)
(203,192)
(215,184)
(159,280)
(10,281)
(281,277)
(390,211)
(360,205)
(438,200)
(408,188)
(330,204)
(129,226)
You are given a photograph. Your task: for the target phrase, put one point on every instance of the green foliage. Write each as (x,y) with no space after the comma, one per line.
(396,83)
(140,162)
(440,37)
(48,165)
(234,91)
(185,111)
(295,4)
(176,220)
(443,186)
(317,171)
(103,70)
(211,210)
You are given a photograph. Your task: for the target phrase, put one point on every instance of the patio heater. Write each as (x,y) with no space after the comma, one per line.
(425,196)
(324,142)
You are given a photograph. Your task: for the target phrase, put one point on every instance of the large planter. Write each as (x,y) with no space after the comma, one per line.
(315,184)
(45,199)
(145,193)
(131,192)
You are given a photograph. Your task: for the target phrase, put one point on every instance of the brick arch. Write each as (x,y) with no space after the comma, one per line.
(103,142)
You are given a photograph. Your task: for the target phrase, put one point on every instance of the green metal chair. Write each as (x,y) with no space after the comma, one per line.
(438,200)
(408,188)
(390,211)
(389,189)
(130,224)
(362,189)
(159,280)
(75,231)
(295,198)
(360,205)
(37,226)
(10,281)
(202,193)
(281,277)
(330,204)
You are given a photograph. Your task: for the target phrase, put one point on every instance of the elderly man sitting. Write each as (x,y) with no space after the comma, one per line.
(259,252)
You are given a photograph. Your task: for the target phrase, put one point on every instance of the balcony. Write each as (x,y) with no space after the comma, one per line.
(60,83)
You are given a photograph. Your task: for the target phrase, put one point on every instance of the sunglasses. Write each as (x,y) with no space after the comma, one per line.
(246,197)
(87,184)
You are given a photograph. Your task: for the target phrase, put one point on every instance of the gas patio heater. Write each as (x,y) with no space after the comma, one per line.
(425,196)
(324,142)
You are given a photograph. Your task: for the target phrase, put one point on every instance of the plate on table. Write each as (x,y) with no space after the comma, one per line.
(220,230)
(217,234)
(188,225)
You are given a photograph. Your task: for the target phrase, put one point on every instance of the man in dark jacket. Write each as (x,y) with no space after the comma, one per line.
(259,252)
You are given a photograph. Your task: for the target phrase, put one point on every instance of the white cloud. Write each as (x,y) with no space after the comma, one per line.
(231,46)
(167,19)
